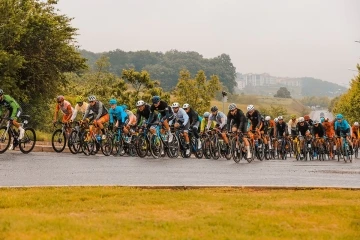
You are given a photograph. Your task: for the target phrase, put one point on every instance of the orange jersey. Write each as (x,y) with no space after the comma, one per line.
(355,131)
(329,129)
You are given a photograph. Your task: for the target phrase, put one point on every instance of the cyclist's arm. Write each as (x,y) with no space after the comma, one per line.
(75,113)
(57,108)
(100,111)
(86,112)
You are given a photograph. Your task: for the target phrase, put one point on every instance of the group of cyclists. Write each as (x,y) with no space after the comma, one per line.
(249,126)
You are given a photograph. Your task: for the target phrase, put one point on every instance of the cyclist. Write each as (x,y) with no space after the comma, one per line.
(281,130)
(142,112)
(221,120)
(308,120)
(257,122)
(181,120)
(319,132)
(101,114)
(194,122)
(65,108)
(302,127)
(118,115)
(355,130)
(269,129)
(7,102)
(80,106)
(329,132)
(292,125)
(322,117)
(342,127)
(165,111)
(237,117)
(204,122)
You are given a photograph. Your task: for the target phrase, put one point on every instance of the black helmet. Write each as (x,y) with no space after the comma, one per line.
(155,99)
(214,109)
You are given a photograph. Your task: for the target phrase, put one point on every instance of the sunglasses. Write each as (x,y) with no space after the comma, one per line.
(185,109)
(59,102)
(91,101)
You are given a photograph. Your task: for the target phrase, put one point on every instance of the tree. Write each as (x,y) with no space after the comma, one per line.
(349,103)
(283,93)
(198,91)
(36,48)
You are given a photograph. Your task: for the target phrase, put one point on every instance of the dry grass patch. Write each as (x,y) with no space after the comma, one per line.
(221,213)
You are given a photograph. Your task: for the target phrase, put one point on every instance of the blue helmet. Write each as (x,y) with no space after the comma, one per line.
(155,99)
(339,116)
(113,101)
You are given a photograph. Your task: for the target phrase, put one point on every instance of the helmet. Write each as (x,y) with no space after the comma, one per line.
(326,119)
(339,116)
(250,107)
(92,98)
(175,105)
(276,119)
(60,98)
(232,106)
(301,119)
(280,118)
(267,118)
(322,114)
(79,99)
(356,124)
(140,103)
(186,105)
(1,92)
(112,101)
(206,114)
(307,117)
(155,99)
(214,109)
(293,116)
(316,121)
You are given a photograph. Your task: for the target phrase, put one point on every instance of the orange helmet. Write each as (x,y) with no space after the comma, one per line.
(307,117)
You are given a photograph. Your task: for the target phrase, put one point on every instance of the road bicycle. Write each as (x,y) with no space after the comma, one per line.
(8,133)
(60,136)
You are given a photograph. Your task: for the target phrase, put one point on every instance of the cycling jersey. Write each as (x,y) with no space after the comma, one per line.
(269,127)
(318,130)
(302,128)
(180,117)
(9,103)
(81,109)
(342,126)
(164,110)
(203,124)
(98,109)
(219,118)
(239,120)
(65,108)
(131,116)
(255,119)
(329,128)
(292,126)
(193,117)
(355,131)
(145,113)
(118,113)
(281,128)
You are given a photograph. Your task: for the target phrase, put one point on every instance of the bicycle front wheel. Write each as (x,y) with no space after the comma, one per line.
(58,141)
(5,139)
(27,144)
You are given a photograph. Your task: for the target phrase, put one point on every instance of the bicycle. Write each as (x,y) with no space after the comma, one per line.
(92,142)
(308,148)
(60,136)
(239,149)
(74,142)
(282,152)
(206,144)
(346,149)
(26,144)
(319,146)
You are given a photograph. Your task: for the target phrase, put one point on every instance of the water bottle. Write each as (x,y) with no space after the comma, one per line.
(334,148)
(256,143)
(98,137)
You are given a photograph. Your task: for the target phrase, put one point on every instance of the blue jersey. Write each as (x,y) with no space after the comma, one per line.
(118,113)
(342,126)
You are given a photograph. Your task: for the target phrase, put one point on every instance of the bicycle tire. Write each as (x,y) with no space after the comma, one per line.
(106,146)
(58,137)
(28,140)
(215,149)
(5,139)
(74,142)
(156,146)
(142,146)
(236,153)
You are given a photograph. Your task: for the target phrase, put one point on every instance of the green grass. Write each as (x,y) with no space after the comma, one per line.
(43,136)
(220,213)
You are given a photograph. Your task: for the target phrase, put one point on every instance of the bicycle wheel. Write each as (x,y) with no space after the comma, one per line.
(252,151)
(106,145)
(173,147)
(260,151)
(27,144)
(156,146)
(236,153)
(74,142)
(5,139)
(215,149)
(206,148)
(58,141)
(87,144)
(142,146)
(197,151)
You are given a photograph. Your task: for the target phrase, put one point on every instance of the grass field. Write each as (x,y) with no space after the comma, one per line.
(218,213)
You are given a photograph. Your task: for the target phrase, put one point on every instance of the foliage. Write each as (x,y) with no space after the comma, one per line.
(198,91)
(316,101)
(349,103)
(273,111)
(332,103)
(36,48)
(165,67)
(283,93)
(213,213)
(317,87)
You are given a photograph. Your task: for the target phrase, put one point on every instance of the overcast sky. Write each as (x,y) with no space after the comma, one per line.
(314,38)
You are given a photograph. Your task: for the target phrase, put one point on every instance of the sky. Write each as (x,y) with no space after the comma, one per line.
(297,38)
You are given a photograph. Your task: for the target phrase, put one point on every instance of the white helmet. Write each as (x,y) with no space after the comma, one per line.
(175,105)
(280,118)
(301,119)
(267,118)
(276,120)
(206,114)
(356,124)
(250,108)
(186,105)
(92,98)
(232,106)
(140,103)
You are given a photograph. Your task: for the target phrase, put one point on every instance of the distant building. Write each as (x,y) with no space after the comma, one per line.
(264,79)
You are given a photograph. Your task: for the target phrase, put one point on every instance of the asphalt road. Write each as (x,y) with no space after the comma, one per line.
(44,169)
(315,115)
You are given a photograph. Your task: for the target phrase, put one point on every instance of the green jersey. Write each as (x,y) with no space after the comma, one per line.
(10,104)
